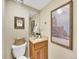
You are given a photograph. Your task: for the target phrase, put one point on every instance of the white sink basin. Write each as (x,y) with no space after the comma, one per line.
(38,39)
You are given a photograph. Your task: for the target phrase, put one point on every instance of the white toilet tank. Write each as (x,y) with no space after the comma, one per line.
(18,50)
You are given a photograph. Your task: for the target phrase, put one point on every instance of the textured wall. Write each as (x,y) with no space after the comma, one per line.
(20,10)
(3,28)
(55,51)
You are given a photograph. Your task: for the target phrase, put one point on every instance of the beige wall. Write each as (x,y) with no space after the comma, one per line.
(55,51)
(3,28)
(15,9)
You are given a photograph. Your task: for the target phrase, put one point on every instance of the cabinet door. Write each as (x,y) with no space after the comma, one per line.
(31,47)
(41,53)
(37,54)
(45,52)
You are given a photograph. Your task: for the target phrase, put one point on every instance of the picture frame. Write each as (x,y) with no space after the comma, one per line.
(62,25)
(18,22)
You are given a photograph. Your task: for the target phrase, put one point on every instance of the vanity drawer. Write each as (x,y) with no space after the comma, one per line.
(41,44)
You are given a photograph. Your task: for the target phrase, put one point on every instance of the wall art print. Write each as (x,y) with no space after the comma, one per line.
(62,25)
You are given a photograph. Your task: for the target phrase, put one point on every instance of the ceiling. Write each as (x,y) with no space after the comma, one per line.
(37,4)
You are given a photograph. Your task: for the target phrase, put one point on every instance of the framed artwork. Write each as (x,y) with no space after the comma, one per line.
(62,25)
(18,22)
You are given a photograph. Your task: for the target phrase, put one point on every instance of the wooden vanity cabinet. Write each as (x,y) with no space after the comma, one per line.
(39,50)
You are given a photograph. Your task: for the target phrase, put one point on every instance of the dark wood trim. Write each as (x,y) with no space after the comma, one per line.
(71,20)
(61,6)
(71,25)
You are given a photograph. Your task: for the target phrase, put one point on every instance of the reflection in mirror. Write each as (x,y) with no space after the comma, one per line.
(36,31)
(34,26)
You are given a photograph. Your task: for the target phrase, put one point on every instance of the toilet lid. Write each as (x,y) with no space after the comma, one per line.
(22,57)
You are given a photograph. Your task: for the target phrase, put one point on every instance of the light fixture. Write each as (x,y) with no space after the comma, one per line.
(20,1)
(59,11)
(17,0)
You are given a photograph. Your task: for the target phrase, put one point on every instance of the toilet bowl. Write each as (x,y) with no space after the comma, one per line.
(22,57)
(19,51)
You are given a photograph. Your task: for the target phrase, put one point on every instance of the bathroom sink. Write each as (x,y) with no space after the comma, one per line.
(38,39)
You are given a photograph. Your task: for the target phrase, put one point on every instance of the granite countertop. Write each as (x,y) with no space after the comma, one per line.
(38,40)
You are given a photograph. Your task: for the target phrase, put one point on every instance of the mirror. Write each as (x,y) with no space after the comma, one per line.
(34,26)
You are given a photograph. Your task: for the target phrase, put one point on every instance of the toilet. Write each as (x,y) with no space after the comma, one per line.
(18,51)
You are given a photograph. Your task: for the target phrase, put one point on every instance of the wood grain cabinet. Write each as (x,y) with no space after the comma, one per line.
(39,50)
